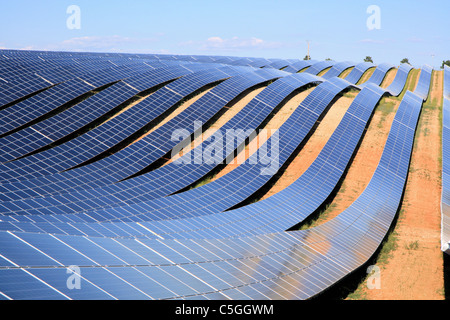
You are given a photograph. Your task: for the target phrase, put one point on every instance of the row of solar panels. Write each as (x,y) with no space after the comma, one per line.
(9,207)
(136,279)
(212,187)
(55,153)
(281,265)
(25,73)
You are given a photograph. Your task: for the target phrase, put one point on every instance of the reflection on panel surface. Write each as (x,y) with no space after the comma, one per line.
(70,230)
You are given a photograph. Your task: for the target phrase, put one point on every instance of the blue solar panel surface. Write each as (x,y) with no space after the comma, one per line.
(135,239)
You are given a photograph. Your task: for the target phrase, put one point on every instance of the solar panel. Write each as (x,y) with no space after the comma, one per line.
(396,87)
(355,75)
(423,85)
(278,64)
(241,191)
(24,84)
(378,75)
(241,262)
(337,69)
(300,65)
(318,67)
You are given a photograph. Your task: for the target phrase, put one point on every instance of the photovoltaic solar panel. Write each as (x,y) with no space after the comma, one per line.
(318,67)
(378,75)
(355,75)
(300,65)
(337,69)
(423,85)
(396,87)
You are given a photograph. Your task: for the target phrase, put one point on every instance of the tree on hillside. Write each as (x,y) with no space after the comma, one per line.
(368,59)
(307,57)
(328,59)
(447,63)
(405,60)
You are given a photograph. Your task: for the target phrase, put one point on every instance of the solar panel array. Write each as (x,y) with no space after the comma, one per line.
(80,198)
(186,174)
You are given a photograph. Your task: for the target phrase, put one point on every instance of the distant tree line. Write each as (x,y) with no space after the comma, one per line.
(404,60)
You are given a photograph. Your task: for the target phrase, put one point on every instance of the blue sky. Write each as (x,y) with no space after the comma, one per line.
(338,30)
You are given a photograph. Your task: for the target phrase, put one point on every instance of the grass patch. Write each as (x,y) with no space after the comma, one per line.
(320,217)
(386,106)
(350,94)
(411,82)
(359,293)
(202,182)
(366,76)
(413,245)
(388,246)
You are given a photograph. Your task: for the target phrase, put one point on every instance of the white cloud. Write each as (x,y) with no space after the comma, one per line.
(105,42)
(113,43)
(372,41)
(28,48)
(415,39)
(232,44)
